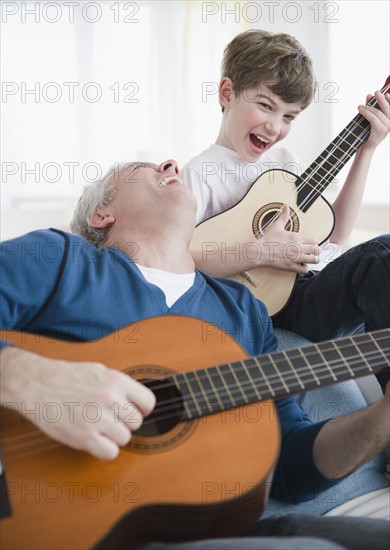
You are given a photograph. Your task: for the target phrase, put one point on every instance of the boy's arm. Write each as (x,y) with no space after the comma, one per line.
(277,248)
(347,204)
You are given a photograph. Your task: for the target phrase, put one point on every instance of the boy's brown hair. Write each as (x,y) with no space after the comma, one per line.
(256,57)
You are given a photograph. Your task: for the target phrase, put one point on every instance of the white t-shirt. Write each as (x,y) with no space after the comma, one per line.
(219,178)
(174,285)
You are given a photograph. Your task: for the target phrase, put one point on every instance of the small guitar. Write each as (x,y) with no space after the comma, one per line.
(199,467)
(310,213)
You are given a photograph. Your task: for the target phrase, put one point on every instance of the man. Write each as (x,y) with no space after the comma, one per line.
(140,223)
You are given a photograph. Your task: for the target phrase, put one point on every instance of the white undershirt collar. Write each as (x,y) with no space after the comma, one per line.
(174,285)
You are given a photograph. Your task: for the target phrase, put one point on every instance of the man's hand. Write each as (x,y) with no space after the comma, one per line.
(96,408)
(286,250)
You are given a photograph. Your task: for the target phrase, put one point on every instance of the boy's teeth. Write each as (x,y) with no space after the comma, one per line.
(261,139)
(258,141)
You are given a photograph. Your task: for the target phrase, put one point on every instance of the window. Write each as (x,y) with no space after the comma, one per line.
(89,84)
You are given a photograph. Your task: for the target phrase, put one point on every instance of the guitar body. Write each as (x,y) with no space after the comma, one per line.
(202,478)
(233,229)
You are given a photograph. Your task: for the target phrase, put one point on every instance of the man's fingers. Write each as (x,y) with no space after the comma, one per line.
(105,441)
(100,446)
(112,426)
(142,397)
(92,441)
(128,414)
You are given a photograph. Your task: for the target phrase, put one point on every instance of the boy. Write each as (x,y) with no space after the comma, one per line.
(267,80)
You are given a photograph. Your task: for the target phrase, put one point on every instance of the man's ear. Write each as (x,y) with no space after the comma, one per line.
(98,220)
(225,91)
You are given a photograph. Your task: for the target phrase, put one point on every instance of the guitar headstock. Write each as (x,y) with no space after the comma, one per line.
(386,86)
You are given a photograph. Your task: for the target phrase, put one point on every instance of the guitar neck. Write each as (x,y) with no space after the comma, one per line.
(324,169)
(281,374)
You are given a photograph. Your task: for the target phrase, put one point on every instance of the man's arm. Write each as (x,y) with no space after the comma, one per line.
(100,407)
(345,443)
(315,456)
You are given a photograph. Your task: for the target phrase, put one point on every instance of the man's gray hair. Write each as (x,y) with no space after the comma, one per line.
(95,196)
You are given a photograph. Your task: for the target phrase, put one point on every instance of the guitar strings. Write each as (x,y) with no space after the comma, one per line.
(30,438)
(43,443)
(317,368)
(306,353)
(310,175)
(210,404)
(309,351)
(316,189)
(352,126)
(48,444)
(355,124)
(262,386)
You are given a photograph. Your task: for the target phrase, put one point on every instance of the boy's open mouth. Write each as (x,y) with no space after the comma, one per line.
(258,142)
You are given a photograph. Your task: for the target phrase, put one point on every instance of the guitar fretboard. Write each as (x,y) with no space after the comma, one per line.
(315,179)
(281,374)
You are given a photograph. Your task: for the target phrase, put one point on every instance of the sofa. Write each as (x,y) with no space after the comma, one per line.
(365,492)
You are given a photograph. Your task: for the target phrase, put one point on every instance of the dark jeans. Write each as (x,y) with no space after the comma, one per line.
(295,531)
(349,295)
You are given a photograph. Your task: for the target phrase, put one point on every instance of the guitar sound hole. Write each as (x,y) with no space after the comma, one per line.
(267,214)
(167,412)
(269,217)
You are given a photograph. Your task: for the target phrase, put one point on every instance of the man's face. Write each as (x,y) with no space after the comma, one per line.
(255,120)
(151,194)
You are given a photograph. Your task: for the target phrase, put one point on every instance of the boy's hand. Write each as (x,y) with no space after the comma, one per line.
(95,409)
(378,118)
(286,250)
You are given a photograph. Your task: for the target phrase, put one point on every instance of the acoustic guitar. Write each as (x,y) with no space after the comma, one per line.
(201,464)
(310,213)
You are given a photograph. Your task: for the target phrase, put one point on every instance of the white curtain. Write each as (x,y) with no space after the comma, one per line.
(88,84)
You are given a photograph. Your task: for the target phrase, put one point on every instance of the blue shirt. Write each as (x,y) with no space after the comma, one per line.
(58,284)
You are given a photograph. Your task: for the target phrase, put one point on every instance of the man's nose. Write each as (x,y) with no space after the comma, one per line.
(169,165)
